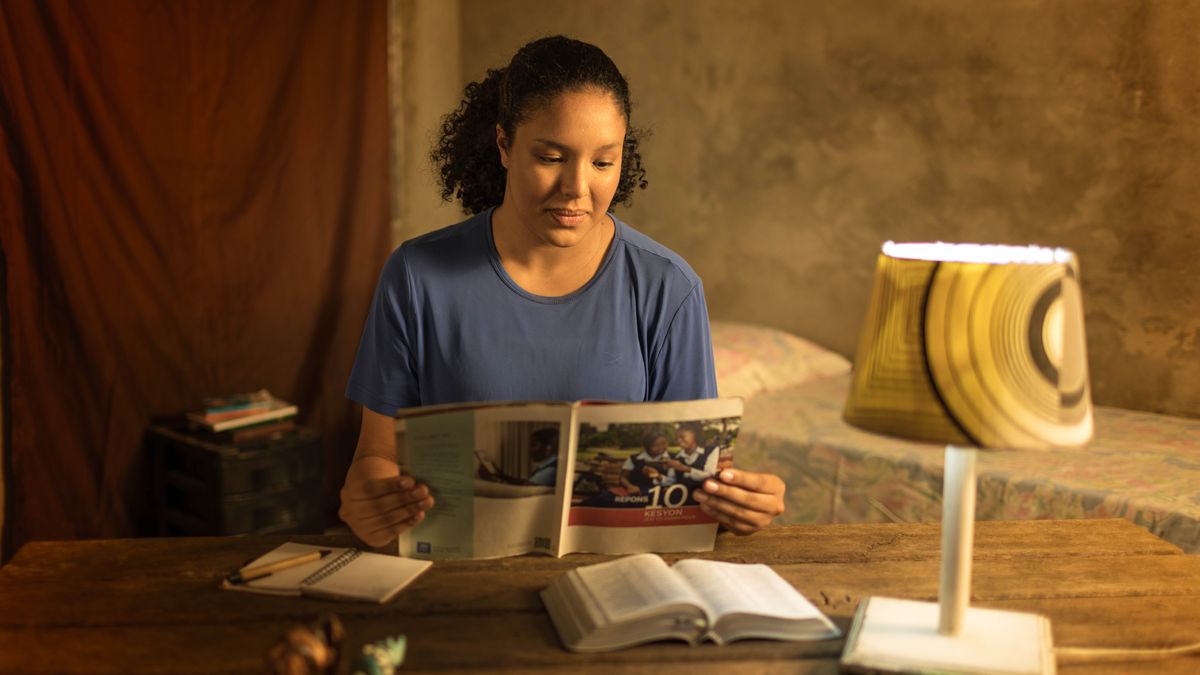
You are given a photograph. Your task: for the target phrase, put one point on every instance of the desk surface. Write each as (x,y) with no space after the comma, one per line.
(153,605)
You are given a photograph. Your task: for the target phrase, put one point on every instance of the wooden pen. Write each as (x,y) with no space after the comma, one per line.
(250,573)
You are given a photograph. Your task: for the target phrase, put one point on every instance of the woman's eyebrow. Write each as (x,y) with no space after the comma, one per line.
(560,146)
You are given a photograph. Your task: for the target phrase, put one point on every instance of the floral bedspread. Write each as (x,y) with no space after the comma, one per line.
(1139,466)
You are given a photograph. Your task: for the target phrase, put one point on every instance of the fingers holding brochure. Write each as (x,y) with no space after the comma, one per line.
(379,500)
(742,501)
(378,503)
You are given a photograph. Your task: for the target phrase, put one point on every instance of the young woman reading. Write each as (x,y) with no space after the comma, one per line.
(542,293)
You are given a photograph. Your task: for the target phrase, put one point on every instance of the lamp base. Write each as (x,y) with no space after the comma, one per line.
(902,636)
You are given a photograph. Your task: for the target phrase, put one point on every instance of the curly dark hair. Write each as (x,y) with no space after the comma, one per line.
(466,156)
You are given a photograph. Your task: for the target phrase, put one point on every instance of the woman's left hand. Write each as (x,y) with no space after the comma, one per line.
(743,501)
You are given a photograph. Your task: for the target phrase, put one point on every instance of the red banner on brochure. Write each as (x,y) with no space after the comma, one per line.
(610,517)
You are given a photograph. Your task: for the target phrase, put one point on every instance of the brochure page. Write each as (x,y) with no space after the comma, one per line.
(495,477)
(635,469)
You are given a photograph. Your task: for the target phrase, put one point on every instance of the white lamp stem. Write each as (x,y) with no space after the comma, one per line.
(958,537)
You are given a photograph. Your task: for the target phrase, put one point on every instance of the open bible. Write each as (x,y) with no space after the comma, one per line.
(639,598)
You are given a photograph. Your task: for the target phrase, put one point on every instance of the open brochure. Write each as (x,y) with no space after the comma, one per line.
(557,478)
(639,599)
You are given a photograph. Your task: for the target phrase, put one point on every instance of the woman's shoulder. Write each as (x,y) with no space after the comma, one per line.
(431,253)
(443,245)
(448,237)
(648,255)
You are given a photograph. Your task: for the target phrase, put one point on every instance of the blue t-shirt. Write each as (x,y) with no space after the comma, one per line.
(449,325)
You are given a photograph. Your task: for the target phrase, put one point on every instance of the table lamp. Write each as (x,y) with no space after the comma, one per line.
(975,346)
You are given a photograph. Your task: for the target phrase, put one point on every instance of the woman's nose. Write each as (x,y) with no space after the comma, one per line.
(573,182)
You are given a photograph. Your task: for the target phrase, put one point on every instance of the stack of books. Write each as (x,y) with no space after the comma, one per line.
(242,417)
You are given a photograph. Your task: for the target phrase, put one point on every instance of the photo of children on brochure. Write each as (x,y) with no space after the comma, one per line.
(652,466)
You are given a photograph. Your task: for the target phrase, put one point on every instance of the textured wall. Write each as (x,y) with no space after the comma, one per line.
(424,67)
(791,138)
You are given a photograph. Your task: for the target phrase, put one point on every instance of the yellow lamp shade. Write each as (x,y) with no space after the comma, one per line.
(974,345)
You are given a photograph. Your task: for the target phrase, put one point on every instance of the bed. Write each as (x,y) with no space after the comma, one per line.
(1139,466)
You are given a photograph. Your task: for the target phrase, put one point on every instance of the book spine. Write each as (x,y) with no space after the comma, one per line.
(265,430)
(237,401)
(220,414)
(278,413)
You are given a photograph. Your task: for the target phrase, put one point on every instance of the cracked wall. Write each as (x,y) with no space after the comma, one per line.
(792,138)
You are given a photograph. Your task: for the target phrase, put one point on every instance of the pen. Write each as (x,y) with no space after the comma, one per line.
(242,576)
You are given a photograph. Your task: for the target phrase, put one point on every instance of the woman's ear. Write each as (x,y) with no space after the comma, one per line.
(502,145)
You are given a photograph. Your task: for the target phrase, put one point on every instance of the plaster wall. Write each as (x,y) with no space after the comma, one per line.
(791,138)
(426,82)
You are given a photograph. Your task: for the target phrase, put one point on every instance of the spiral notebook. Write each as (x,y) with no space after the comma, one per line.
(344,574)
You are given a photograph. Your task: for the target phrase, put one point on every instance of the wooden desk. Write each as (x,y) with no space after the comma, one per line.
(153,605)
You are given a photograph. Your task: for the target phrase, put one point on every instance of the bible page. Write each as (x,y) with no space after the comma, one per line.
(634,585)
(750,589)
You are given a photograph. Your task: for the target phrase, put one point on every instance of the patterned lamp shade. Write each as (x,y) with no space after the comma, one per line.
(974,345)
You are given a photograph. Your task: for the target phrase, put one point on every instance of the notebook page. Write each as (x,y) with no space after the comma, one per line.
(630,585)
(369,576)
(753,589)
(287,581)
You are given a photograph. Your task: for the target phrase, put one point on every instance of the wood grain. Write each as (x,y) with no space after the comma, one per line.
(153,605)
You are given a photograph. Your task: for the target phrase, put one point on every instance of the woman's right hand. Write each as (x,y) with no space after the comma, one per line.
(379,502)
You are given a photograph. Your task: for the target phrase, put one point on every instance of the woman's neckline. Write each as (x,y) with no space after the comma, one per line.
(498,265)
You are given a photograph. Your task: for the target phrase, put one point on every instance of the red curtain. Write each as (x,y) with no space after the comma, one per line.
(193,201)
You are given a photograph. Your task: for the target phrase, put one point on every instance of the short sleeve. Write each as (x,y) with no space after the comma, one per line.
(683,368)
(384,377)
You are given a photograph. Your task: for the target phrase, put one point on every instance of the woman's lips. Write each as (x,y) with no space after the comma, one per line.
(568,217)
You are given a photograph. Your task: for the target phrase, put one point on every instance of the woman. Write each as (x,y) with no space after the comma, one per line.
(542,294)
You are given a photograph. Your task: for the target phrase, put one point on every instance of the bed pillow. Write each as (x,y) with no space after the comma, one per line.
(752,359)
